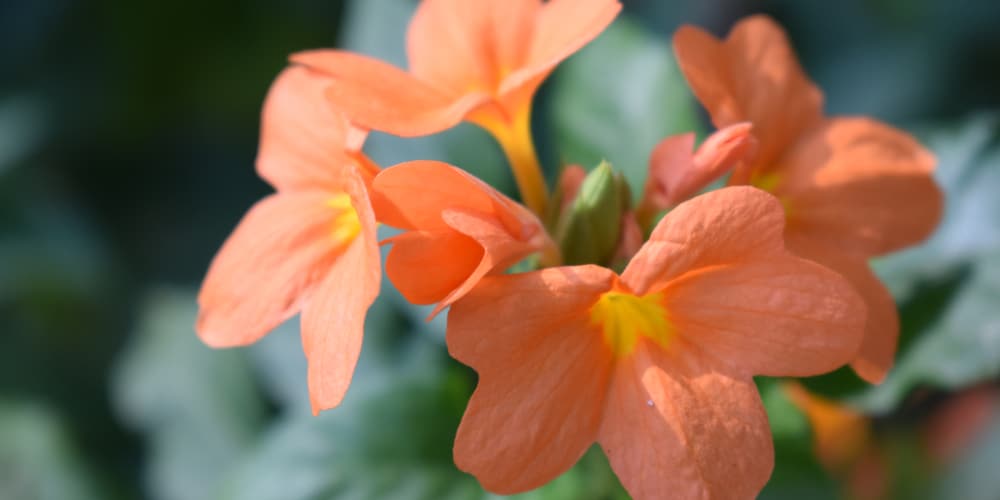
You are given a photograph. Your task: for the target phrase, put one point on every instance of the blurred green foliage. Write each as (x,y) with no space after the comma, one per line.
(127,136)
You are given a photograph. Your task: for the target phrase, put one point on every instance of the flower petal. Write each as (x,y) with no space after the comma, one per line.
(426,266)
(676,428)
(413,195)
(878,348)
(716,228)
(267,268)
(460,230)
(460,45)
(677,172)
(500,249)
(774,315)
(333,321)
(382,97)
(562,27)
(543,373)
(860,185)
(304,142)
(751,76)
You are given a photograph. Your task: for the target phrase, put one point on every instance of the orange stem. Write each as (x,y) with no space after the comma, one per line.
(515,140)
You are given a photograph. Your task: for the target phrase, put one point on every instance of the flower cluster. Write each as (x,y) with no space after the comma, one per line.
(643,321)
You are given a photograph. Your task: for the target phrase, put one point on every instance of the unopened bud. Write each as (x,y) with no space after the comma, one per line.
(590,228)
(676,172)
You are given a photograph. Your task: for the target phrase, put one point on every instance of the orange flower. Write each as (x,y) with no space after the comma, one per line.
(852,187)
(310,247)
(656,365)
(458,229)
(677,172)
(475,60)
(841,434)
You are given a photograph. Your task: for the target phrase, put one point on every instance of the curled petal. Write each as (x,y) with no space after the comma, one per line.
(267,268)
(676,173)
(426,266)
(455,221)
(754,76)
(676,428)
(304,142)
(543,373)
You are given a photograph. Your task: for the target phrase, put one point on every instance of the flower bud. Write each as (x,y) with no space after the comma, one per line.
(589,229)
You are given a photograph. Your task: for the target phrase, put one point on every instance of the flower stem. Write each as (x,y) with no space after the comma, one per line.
(515,140)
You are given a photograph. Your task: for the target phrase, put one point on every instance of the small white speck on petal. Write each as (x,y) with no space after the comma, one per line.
(649,403)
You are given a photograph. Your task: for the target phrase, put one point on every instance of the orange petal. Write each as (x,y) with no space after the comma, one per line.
(379,96)
(676,428)
(677,172)
(569,184)
(460,230)
(752,76)
(860,185)
(500,249)
(333,320)
(629,241)
(774,315)
(413,195)
(878,348)
(303,141)
(267,268)
(460,45)
(425,266)
(543,373)
(717,228)
(562,27)
(670,162)
(841,434)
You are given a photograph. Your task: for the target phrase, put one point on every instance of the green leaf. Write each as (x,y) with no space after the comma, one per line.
(197,406)
(619,97)
(960,349)
(38,460)
(391,437)
(589,230)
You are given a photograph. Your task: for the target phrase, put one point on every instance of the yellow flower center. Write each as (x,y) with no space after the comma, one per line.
(625,318)
(346,224)
(771,182)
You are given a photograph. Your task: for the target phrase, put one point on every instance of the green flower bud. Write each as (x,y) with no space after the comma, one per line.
(589,229)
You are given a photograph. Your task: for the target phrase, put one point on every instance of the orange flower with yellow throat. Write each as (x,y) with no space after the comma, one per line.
(853,188)
(310,248)
(478,61)
(655,362)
